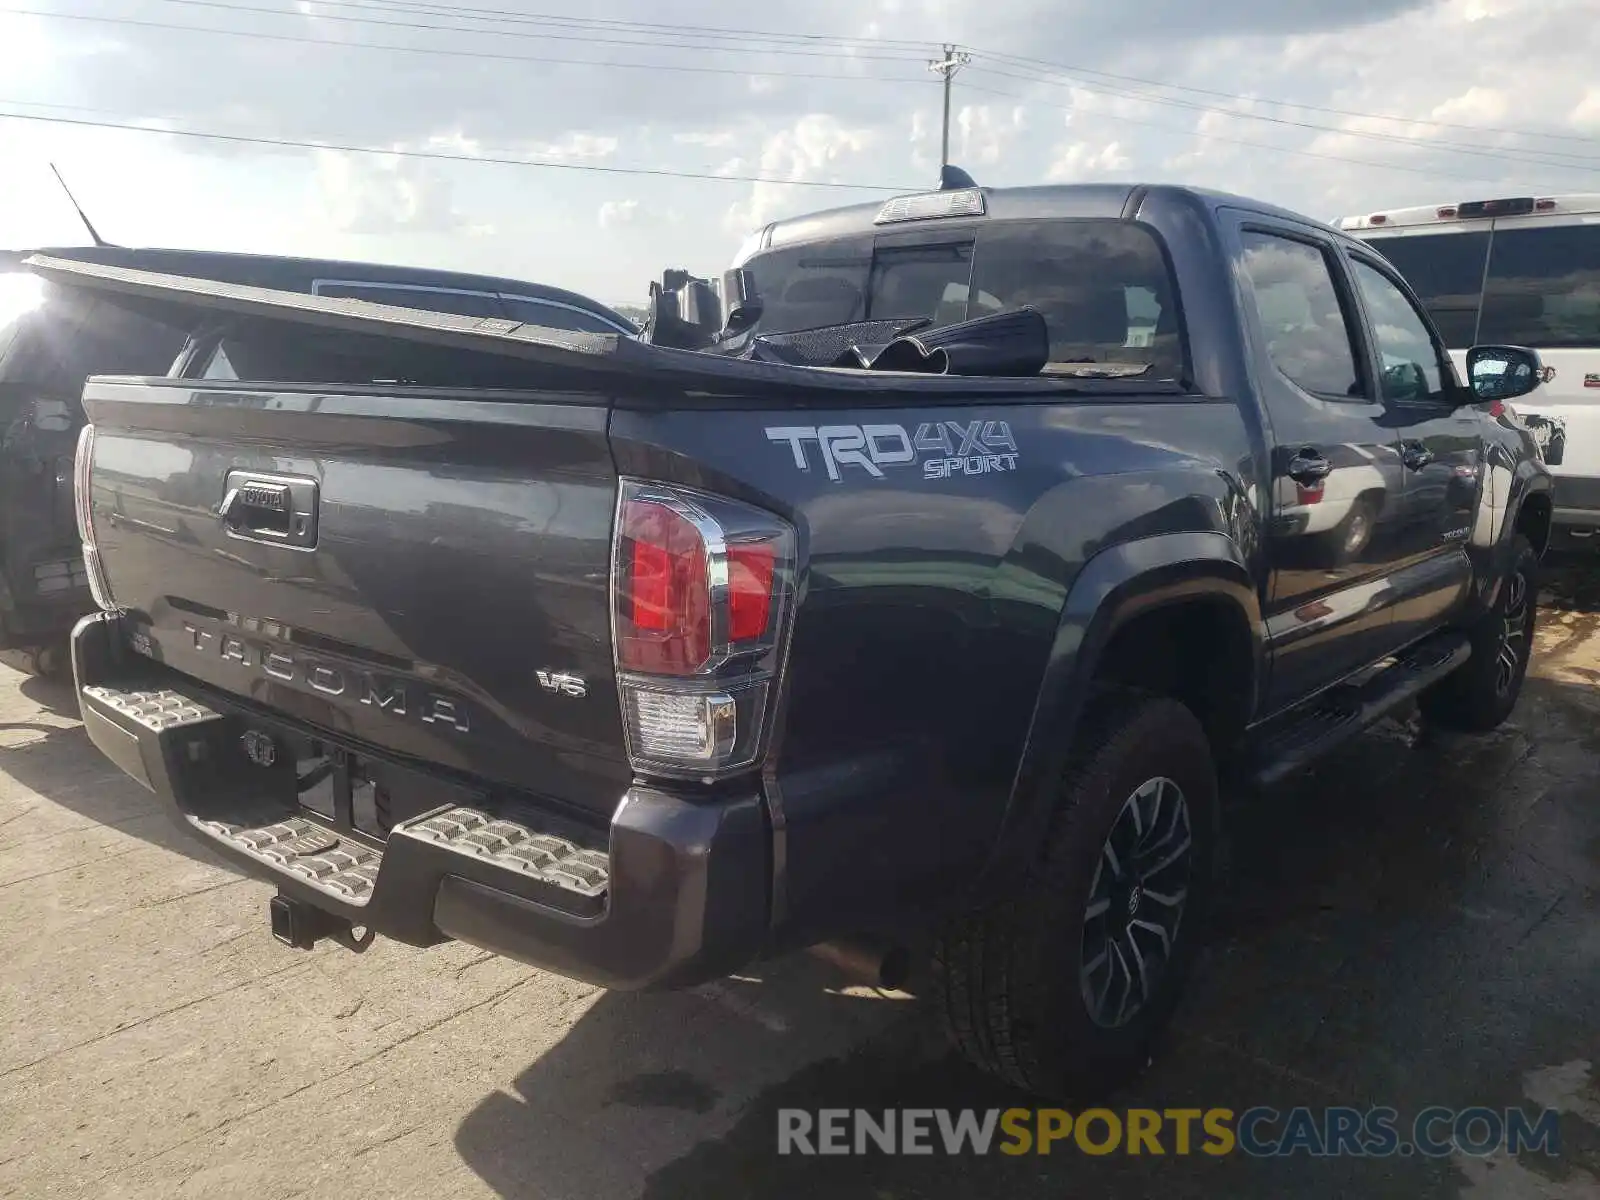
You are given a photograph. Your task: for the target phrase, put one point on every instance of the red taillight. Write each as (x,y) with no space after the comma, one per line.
(1543,205)
(750,570)
(1377,219)
(702,590)
(666,623)
(1446,213)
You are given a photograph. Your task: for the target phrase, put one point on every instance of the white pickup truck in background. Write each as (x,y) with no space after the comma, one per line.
(1521,271)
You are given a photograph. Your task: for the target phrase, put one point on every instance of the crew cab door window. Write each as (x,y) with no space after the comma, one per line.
(1306,327)
(1412,367)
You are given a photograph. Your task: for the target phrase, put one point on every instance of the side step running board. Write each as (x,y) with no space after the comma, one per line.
(1298,738)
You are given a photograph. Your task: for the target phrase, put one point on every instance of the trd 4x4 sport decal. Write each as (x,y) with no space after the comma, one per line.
(943,448)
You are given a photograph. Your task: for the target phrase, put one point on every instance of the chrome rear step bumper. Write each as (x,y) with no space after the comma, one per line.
(672,893)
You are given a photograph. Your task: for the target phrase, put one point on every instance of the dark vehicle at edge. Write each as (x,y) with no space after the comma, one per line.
(638,664)
(50,342)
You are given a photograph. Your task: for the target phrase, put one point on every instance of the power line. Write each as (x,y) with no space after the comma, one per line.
(1583,163)
(476,54)
(621,26)
(1211,137)
(442,155)
(514,17)
(1341,112)
(653,41)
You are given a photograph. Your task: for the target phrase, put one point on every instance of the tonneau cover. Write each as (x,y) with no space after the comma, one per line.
(623,360)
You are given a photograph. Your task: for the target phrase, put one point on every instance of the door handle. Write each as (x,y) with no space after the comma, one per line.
(1415,455)
(1308,467)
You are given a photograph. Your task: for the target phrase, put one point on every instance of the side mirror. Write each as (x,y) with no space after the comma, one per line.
(1505,372)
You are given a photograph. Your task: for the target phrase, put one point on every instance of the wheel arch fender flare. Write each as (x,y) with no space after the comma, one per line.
(1117,585)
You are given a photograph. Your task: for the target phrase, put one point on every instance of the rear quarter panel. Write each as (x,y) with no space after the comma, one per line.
(930,602)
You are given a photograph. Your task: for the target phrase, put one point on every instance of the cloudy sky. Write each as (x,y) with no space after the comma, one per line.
(1327,108)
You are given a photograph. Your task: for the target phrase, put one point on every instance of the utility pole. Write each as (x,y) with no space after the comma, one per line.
(952,62)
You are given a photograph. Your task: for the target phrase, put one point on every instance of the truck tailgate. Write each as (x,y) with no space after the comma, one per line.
(422,575)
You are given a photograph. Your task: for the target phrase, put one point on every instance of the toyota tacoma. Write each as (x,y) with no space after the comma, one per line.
(948,587)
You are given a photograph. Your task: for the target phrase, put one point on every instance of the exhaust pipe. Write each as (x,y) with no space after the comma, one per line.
(874,964)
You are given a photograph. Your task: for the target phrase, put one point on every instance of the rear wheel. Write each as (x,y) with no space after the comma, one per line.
(52,661)
(1063,986)
(1481,693)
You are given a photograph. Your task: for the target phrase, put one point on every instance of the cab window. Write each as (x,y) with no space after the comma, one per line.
(1410,359)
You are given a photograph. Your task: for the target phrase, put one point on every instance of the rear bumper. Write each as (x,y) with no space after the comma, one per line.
(672,894)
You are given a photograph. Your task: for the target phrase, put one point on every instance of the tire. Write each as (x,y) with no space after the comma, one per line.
(1480,694)
(1010,978)
(53,661)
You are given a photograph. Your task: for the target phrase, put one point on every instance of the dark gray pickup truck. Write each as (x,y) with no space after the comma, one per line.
(640,663)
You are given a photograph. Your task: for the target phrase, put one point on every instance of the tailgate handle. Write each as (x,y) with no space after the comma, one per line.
(276,509)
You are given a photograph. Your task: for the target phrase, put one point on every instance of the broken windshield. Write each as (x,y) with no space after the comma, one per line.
(1102,286)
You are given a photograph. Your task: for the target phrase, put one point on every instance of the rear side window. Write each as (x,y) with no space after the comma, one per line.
(1445,270)
(1305,326)
(1103,286)
(1544,287)
(554,316)
(445,300)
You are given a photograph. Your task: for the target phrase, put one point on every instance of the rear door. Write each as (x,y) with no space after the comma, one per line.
(1332,542)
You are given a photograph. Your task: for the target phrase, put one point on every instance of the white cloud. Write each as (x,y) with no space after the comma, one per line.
(388,194)
(1585,115)
(1476,105)
(576,147)
(987,133)
(815,147)
(924,142)
(1421,61)
(1075,161)
(618,212)
(715,139)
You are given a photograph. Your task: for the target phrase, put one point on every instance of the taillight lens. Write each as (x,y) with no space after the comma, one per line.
(702,588)
(80,485)
(82,509)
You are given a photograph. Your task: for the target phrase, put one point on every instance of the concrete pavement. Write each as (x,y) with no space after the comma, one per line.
(1412,924)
